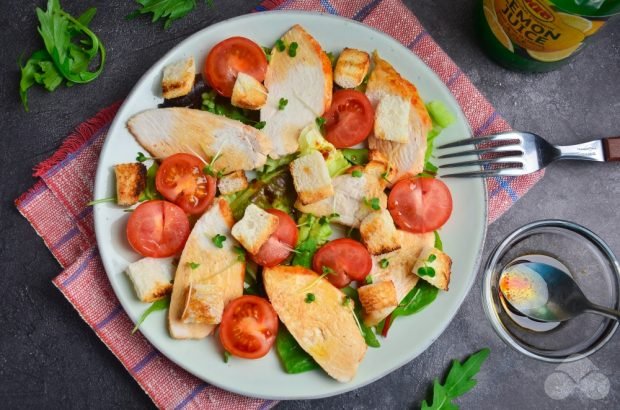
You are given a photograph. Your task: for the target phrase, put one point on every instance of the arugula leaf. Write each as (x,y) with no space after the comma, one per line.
(60,31)
(150,191)
(215,104)
(168,10)
(460,380)
(422,295)
(356,156)
(161,304)
(70,47)
(293,357)
(312,234)
(367,332)
(438,243)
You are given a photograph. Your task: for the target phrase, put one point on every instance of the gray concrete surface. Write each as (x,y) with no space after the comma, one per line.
(49,358)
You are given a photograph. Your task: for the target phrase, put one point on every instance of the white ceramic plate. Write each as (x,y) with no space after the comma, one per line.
(463,235)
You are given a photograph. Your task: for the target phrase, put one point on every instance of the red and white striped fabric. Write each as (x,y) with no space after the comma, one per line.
(56,208)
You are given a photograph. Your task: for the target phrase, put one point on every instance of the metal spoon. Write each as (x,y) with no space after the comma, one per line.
(545,293)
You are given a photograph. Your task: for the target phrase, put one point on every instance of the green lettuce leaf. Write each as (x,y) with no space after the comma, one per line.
(311,139)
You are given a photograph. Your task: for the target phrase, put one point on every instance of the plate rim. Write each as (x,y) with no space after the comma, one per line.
(345,387)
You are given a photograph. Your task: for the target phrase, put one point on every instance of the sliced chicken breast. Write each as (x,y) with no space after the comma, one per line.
(166,131)
(407,158)
(352,199)
(399,270)
(202,263)
(326,327)
(304,80)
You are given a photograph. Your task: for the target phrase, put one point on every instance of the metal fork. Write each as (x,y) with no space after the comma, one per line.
(522,153)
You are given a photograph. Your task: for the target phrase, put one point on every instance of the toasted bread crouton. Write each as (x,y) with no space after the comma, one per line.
(204,262)
(378,300)
(151,278)
(382,171)
(130,182)
(178,78)
(203,304)
(231,183)
(311,178)
(392,119)
(434,267)
(253,230)
(326,328)
(248,93)
(379,233)
(351,68)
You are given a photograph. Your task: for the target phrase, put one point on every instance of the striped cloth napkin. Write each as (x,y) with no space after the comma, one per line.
(56,208)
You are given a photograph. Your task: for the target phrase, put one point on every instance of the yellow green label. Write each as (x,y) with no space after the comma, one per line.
(544,32)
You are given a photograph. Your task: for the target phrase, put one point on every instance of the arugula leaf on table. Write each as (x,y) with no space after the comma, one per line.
(161,304)
(293,357)
(168,10)
(70,48)
(460,380)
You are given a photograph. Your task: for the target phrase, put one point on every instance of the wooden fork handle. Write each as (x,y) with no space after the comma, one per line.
(611,148)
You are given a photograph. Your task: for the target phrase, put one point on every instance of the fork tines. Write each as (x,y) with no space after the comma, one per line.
(502,156)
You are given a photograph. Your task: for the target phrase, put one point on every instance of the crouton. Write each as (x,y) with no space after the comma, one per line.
(378,301)
(253,230)
(392,119)
(231,183)
(130,182)
(434,267)
(178,78)
(311,178)
(151,278)
(248,93)
(351,68)
(203,305)
(379,233)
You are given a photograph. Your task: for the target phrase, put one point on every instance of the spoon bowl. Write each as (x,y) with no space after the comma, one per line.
(545,293)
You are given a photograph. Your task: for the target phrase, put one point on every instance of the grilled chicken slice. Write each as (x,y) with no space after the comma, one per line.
(325,328)
(407,158)
(352,199)
(305,80)
(398,272)
(209,268)
(166,131)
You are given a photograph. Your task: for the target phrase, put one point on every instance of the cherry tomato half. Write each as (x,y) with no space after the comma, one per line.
(344,260)
(420,204)
(180,179)
(229,57)
(249,327)
(350,118)
(280,244)
(157,229)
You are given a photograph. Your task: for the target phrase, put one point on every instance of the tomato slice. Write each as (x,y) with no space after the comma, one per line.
(180,179)
(157,229)
(280,244)
(231,56)
(344,259)
(420,204)
(350,118)
(249,327)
